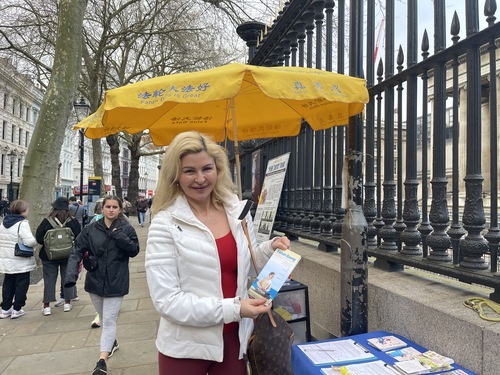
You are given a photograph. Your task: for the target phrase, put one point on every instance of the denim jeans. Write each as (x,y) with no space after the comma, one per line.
(142,217)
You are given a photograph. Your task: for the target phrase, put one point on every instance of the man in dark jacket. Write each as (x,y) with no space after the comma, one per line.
(142,207)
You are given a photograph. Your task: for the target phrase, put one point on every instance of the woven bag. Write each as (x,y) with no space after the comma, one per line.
(269,347)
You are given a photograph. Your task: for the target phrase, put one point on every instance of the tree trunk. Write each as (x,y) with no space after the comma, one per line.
(133,187)
(97,156)
(40,168)
(114,146)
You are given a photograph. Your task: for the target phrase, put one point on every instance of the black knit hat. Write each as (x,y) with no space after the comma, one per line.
(61,203)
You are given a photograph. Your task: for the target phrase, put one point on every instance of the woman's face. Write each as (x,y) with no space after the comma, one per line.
(198,176)
(111,209)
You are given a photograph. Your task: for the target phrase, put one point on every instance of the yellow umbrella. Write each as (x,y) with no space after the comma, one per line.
(234,101)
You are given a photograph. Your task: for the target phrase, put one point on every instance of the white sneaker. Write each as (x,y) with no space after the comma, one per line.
(76,298)
(59,303)
(16,314)
(67,307)
(46,311)
(5,313)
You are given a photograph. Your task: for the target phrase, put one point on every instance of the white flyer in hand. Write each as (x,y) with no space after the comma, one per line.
(274,274)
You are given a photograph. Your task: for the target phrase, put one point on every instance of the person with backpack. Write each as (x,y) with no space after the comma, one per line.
(105,245)
(126,206)
(56,234)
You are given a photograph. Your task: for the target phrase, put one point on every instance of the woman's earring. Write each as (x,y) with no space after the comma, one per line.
(177,184)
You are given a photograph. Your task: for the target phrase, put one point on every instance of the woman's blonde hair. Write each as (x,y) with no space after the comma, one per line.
(184,144)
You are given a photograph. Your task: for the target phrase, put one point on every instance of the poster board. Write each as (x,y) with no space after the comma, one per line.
(269,197)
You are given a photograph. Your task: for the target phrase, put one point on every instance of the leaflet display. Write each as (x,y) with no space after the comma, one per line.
(269,197)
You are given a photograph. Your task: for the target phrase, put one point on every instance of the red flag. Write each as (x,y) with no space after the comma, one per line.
(375,52)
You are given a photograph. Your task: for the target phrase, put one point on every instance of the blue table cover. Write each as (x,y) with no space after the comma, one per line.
(302,365)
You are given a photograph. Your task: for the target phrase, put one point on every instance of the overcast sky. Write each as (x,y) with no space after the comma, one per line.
(426,21)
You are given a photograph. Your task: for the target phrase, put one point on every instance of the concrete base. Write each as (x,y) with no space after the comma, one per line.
(426,308)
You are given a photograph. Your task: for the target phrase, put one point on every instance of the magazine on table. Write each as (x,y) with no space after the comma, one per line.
(404,354)
(438,357)
(455,372)
(385,343)
(421,365)
(367,368)
(274,274)
(336,352)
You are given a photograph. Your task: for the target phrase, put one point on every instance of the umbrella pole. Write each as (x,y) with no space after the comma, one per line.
(236,152)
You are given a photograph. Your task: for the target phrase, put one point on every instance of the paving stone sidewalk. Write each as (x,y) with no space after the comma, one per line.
(64,343)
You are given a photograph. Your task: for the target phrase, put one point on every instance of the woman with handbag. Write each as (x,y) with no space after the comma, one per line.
(109,243)
(16,269)
(51,268)
(198,263)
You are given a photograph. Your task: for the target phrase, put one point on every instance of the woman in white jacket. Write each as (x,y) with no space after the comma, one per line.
(15,228)
(198,263)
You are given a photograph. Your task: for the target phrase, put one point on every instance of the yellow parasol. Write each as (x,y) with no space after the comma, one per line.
(234,101)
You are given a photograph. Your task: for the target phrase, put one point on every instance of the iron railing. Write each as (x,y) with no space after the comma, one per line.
(429,136)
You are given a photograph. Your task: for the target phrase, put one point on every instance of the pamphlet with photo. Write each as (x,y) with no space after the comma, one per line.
(274,274)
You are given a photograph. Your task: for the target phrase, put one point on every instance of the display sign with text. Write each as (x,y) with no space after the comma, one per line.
(269,197)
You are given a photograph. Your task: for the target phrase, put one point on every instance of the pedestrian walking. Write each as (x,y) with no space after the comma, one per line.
(105,246)
(142,207)
(77,210)
(126,206)
(198,262)
(15,228)
(4,206)
(51,268)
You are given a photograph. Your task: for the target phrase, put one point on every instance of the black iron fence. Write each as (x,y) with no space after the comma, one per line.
(428,137)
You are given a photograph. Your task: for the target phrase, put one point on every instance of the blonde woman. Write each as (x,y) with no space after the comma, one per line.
(198,262)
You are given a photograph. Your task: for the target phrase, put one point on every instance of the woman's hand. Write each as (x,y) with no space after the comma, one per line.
(282,243)
(251,308)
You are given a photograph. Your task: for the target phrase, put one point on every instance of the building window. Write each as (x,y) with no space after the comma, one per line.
(5,100)
(20,136)
(26,139)
(125,168)
(3,129)
(13,131)
(2,165)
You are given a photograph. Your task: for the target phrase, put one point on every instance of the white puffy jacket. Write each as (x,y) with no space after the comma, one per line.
(184,280)
(9,263)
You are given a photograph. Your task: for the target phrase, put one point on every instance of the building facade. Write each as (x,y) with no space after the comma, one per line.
(20,102)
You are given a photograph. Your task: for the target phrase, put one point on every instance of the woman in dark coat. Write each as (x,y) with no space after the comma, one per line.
(59,211)
(110,242)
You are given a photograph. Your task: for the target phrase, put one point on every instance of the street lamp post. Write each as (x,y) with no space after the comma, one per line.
(146,184)
(12,158)
(82,110)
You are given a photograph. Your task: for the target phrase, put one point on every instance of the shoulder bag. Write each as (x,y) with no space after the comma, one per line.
(21,250)
(269,350)
(90,260)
